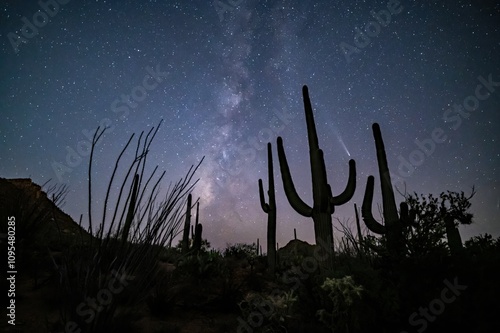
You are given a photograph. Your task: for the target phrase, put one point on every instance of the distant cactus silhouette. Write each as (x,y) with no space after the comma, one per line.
(437,218)
(456,209)
(360,235)
(393,228)
(198,229)
(270,210)
(187,223)
(324,203)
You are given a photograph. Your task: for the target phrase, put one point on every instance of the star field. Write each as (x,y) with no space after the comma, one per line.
(226,78)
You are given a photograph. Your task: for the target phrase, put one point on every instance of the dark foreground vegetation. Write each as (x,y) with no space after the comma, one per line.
(410,273)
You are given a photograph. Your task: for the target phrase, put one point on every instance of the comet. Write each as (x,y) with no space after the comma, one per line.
(343,144)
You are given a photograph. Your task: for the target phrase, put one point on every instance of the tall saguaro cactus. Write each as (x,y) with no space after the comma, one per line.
(393,228)
(270,210)
(324,203)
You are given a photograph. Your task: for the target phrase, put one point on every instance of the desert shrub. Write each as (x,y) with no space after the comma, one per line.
(344,295)
(240,250)
(200,266)
(161,300)
(482,244)
(268,313)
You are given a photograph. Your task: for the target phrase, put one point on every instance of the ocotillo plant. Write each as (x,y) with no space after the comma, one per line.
(393,228)
(324,203)
(270,210)
(131,209)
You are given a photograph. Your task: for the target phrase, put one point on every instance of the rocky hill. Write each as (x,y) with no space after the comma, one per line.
(39,222)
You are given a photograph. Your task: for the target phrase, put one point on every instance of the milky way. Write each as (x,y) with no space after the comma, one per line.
(226,78)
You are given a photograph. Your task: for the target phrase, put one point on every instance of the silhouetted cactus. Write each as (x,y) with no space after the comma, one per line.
(324,203)
(453,236)
(198,229)
(393,228)
(187,223)
(131,209)
(270,210)
(360,235)
(456,209)
(197,238)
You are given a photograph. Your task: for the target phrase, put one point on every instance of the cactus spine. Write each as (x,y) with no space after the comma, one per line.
(270,210)
(393,228)
(324,203)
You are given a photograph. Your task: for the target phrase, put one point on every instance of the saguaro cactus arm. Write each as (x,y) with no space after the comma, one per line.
(267,208)
(348,193)
(366,209)
(263,204)
(291,193)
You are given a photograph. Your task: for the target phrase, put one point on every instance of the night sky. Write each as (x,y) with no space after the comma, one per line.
(226,78)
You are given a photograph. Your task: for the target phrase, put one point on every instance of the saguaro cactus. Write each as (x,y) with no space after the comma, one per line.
(324,203)
(454,207)
(198,229)
(187,222)
(197,238)
(270,210)
(393,228)
(360,235)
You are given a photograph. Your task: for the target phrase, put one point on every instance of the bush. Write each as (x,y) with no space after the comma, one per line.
(273,311)
(343,295)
